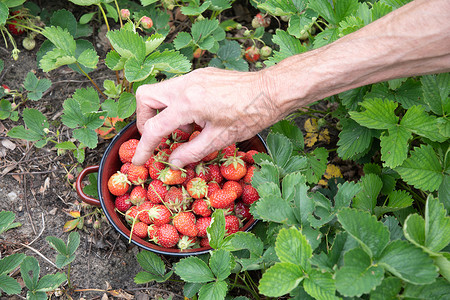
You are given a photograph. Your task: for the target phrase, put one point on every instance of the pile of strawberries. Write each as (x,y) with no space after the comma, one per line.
(173,208)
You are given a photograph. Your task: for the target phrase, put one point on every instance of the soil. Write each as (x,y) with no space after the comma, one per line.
(37,185)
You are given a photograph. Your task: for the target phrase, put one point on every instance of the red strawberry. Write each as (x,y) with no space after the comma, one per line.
(248,157)
(242,211)
(159,215)
(231,224)
(172,177)
(200,207)
(252,54)
(176,199)
(222,198)
(137,174)
(186,242)
(211,156)
(233,168)
(14,29)
(229,209)
(193,135)
(212,187)
(175,145)
(163,155)
(118,184)
(202,224)
(184,222)
(214,171)
(6,88)
(180,136)
(197,127)
(202,171)
(166,236)
(164,144)
(190,173)
(154,167)
(140,229)
(123,203)
(131,214)
(197,188)
(248,177)
(234,186)
(229,151)
(143,215)
(138,195)
(204,242)
(156,191)
(127,150)
(250,194)
(125,167)
(152,228)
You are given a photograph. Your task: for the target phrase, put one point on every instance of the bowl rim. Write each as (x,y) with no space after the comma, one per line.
(135,240)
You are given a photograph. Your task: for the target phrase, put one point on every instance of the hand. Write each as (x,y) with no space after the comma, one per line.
(231,106)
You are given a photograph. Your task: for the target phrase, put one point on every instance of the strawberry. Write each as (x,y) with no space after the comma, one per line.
(152,228)
(131,214)
(164,144)
(215,175)
(156,191)
(234,186)
(184,222)
(163,155)
(202,224)
(233,168)
(202,171)
(186,242)
(229,209)
(14,29)
(125,167)
(154,167)
(180,136)
(140,230)
(118,184)
(197,127)
(175,145)
(177,199)
(204,242)
(172,177)
(211,156)
(198,53)
(197,188)
(212,187)
(166,236)
(146,22)
(193,135)
(242,211)
(252,54)
(200,207)
(231,224)
(248,156)
(127,150)
(249,175)
(143,215)
(229,150)
(138,195)
(249,195)
(124,13)
(190,174)
(159,214)
(222,198)
(6,89)
(137,174)
(123,203)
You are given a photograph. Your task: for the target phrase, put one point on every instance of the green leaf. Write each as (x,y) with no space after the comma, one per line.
(435,92)
(151,262)
(202,29)
(292,247)
(153,42)
(182,40)
(221,264)
(86,18)
(7,221)
(61,38)
(191,289)
(57,244)
(388,289)
(280,148)
(193,269)
(7,284)
(4,12)
(317,162)
(300,25)
(29,269)
(128,44)
(114,61)
(10,262)
(213,291)
(19,132)
(366,199)
(193,10)
(354,140)
(358,275)
(267,173)
(324,9)
(216,230)
(169,61)
(88,58)
(50,282)
(346,192)
(394,228)
(136,70)
(127,105)
(442,261)
(379,114)
(345,8)
(397,258)
(87,136)
(394,147)
(86,2)
(64,19)
(371,234)
(320,285)
(291,131)
(35,87)
(422,169)
(280,279)
(275,209)
(419,122)
(437,225)
(397,200)
(440,289)
(289,46)
(244,240)
(279,7)
(379,10)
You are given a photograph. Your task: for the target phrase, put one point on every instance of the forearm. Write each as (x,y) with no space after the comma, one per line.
(412,40)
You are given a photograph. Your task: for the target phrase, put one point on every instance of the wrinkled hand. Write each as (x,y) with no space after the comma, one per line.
(231,106)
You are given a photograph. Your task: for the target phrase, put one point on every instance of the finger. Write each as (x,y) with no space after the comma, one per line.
(209,140)
(147,103)
(154,130)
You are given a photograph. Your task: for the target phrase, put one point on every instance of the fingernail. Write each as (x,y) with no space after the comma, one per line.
(175,164)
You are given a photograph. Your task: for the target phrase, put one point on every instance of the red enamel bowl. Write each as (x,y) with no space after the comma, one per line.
(110,164)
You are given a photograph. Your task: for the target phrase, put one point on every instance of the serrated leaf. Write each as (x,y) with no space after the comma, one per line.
(440,289)
(29,269)
(50,282)
(88,99)
(61,38)
(114,61)
(289,46)
(279,7)
(266,174)
(10,262)
(388,289)
(380,9)
(87,136)
(182,40)
(86,2)
(435,92)
(193,269)
(419,122)
(195,10)
(371,234)
(394,146)
(202,29)
(136,70)
(229,51)
(153,42)
(145,277)
(273,208)
(345,194)
(292,247)
(7,284)
(35,87)
(317,164)
(127,105)
(221,263)
(151,262)
(73,241)
(422,169)
(397,200)
(213,291)
(128,44)
(320,285)
(324,9)
(358,275)
(366,199)
(394,228)
(354,140)
(397,258)
(280,279)
(378,114)
(300,25)
(7,221)
(169,61)
(64,19)
(244,240)
(437,225)
(291,131)
(216,230)
(88,58)
(280,148)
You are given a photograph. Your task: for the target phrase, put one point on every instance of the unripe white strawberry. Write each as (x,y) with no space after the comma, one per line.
(124,13)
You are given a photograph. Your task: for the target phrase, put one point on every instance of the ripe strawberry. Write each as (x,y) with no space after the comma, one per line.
(222,198)
(138,195)
(186,242)
(184,222)
(159,214)
(127,150)
(202,171)
(248,177)
(175,145)
(234,186)
(211,156)
(252,54)
(202,224)
(131,214)
(197,127)
(118,184)
(200,207)
(229,150)
(177,199)
(156,191)
(125,167)
(212,187)
(249,195)
(164,144)
(248,157)
(190,174)
(143,215)
(137,174)
(242,211)
(214,171)
(6,89)
(229,209)
(198,53)
(197,188)
(204,242)
(123,203)
(233,168)
(231,224)
(172,177)
(163,155)
(14,29)
(166,236)
(180,136)
(152,228)
(193,135)
(154,167)
(140,230)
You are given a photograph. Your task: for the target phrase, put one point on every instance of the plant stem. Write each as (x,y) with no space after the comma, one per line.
(118,13)
(104,15)
(92,81)
(68,277)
